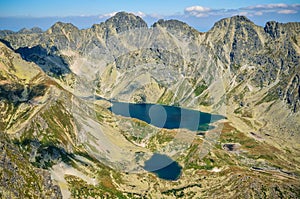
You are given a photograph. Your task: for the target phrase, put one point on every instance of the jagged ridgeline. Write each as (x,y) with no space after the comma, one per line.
(56,87)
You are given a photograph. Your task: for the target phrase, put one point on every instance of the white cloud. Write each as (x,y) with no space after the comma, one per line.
(287,12)
(267,6)
(156,16)
(197,11)
(107,15)
(201,15)
(243,13)
(296,5)
(255,10)
(279,8)
(139,13)
(111,14)
(258,13)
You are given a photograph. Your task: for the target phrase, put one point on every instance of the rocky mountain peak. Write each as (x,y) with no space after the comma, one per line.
(60,27)
(237,38)
(123,21)
(240,18)
(237,21)
(276,29)
(30,31)
(176,27)
(171,24)
(4,33)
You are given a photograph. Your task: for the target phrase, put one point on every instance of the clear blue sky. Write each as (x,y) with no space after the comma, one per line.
(191,11)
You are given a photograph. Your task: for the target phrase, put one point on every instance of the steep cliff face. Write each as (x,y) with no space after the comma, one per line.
(271,52)
(286,57)
(293,94)
(235,40)
(50,83)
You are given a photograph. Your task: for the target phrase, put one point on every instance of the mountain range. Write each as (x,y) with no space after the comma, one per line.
(59,138)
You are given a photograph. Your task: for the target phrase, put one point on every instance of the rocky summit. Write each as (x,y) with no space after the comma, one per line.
(61,137)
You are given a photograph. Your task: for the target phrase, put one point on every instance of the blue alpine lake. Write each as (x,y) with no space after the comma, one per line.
(163,166)
(169,117)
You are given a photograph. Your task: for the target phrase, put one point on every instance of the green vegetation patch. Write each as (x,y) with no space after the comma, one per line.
(81,189)
(199,89)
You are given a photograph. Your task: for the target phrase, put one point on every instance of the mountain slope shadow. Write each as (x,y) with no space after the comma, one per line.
(18,93)
(7,43)
(48,59)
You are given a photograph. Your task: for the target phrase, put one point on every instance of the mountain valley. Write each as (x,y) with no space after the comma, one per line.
(60,138)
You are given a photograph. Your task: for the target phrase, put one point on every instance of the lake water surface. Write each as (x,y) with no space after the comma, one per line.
(169,117)
(163,166)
